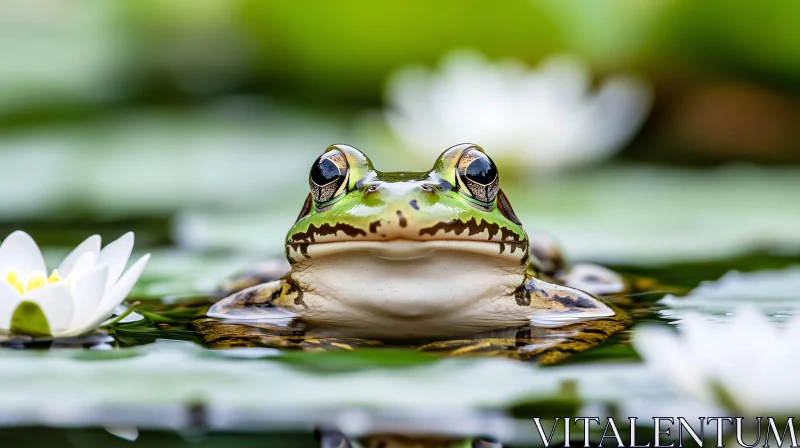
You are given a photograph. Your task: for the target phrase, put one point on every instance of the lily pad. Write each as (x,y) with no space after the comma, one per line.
(240,393)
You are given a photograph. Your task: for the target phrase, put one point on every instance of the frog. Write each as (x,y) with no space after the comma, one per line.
(425,254)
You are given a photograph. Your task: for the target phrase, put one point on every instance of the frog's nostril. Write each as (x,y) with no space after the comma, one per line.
(428,188)
(371,189)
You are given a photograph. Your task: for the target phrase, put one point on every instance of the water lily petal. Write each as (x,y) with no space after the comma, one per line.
(20,252)
(85,264)
(120,291)
(90,245)
(793,331)
(746,357)
(9,300)
(666,353)
(88,293)
(56,302)
(617,111)
(115,255)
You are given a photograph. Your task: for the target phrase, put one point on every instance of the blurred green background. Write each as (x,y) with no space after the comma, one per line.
(195,122)
(658,137)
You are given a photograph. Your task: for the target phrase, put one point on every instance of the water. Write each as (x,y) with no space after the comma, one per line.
(184,380)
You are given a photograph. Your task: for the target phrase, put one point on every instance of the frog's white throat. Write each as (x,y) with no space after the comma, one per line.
(411,281)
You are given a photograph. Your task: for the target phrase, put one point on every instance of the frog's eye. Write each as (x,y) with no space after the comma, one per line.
(328,176)
(478,175)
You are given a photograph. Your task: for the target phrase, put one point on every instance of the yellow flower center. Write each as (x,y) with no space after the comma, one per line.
(37,280)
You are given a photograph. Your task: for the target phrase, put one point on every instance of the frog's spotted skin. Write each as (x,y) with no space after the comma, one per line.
(410,207)
(408,255)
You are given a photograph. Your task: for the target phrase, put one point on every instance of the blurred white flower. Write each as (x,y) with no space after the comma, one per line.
(775,293)
(547,118)
(746,364)
(75,298)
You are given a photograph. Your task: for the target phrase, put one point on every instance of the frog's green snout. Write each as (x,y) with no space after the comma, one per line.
(403,202)
(389,190)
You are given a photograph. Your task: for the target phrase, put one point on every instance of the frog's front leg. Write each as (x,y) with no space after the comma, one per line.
(552,305)
(272,300)
(263,272)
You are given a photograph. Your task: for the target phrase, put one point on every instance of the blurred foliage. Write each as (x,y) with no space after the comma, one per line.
(344,50)
(725,76)
(735,37)
(150,231)
(341,52)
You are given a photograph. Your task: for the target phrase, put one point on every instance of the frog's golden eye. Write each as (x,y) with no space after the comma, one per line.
(328,176)
(478,175)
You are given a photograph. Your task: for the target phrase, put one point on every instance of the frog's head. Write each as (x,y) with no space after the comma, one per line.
(457,206)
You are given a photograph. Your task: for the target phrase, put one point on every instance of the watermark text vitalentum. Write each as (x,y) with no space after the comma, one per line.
(667,432)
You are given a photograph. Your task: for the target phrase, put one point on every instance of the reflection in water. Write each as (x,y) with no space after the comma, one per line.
(187,322)
(335,439)
(99,438)
(94,341)
(544,345)
(399,441)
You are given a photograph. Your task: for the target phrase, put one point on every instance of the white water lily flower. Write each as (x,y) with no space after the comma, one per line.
(747,363)
(75,298)
(547,118)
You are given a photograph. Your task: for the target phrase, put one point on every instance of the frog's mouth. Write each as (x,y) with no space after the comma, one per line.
(406,249)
